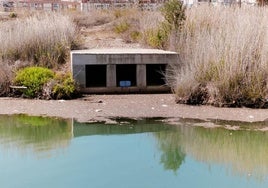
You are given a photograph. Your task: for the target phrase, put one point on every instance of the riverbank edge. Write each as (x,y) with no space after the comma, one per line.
(93,108)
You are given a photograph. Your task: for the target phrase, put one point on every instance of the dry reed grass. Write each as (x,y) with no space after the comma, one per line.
(5,78)
(224,52)
(93,18)
(44,39)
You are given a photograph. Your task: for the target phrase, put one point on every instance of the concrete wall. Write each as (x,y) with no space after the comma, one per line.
(113,57)
(97,59)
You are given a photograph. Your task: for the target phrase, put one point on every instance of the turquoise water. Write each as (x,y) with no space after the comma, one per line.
(43,152)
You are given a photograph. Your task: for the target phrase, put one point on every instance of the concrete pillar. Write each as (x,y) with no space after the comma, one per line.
(79,74)
(111,75)
(141,75)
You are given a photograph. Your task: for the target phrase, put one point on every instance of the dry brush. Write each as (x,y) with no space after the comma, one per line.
(44,39)
(224,55)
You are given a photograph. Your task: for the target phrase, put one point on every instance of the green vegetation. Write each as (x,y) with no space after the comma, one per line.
(173,12)
(33,78)
(35,132)
(172,153)
(121,27)
(135,36)
(158,37)
(13,15)
(64,88)
(44,83)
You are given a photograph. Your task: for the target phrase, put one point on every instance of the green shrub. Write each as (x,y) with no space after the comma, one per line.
(174,13)
(135,36)
(13,15)
(64,88)
(121,27)
(33,78)
(158,37)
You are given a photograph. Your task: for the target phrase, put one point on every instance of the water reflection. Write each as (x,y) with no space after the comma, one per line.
(172,154)
(39,134)
(124,126)
(243,153)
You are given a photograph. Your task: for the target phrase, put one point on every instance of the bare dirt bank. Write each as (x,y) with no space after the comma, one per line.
(102,107)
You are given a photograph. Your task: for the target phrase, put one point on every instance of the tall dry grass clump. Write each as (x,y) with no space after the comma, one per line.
(5,78)
(224,54)
(44,39)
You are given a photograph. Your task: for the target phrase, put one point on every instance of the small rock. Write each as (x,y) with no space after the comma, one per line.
(251,117)
(153,108)
(164,105)
(98,110)
(100,101)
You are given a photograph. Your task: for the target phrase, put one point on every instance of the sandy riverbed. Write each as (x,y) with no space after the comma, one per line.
(102,107)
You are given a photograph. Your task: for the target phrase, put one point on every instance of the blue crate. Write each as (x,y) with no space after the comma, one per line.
(125,83)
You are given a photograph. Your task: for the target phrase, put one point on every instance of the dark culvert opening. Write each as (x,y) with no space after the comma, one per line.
(95,75)
(155,74)
(126,75)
